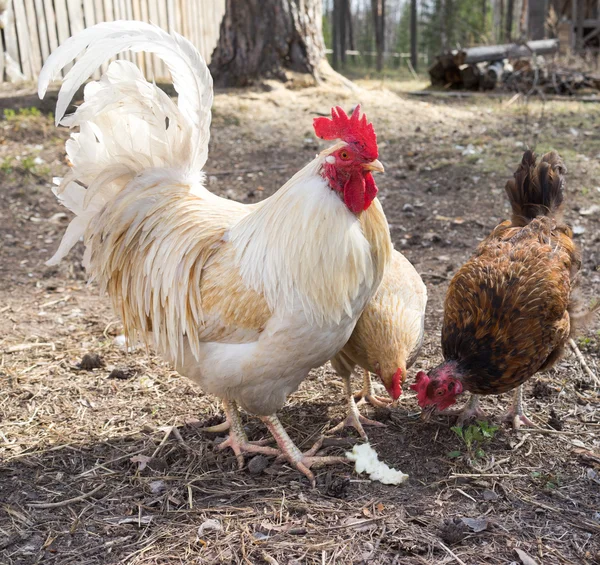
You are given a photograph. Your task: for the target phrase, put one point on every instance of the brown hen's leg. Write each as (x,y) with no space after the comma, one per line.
(237,440)
(367,394)
(516,414)
(470,411)
(302,461)
(354,419)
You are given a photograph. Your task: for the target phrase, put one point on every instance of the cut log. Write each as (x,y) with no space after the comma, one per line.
(491,53)
(470,76)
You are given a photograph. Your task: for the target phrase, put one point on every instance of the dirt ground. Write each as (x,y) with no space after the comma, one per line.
(87,473)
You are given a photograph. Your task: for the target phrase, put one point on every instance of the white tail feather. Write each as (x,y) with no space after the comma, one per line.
(126,125)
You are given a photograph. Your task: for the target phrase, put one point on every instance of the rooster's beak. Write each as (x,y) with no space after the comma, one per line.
(374,166)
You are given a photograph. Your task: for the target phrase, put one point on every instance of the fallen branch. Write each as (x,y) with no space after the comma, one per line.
(581,360)
(65,502)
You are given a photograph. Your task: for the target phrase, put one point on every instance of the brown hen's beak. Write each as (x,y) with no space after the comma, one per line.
(374,166)
(427,412)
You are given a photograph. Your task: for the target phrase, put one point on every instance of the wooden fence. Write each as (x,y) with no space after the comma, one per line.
(32,29)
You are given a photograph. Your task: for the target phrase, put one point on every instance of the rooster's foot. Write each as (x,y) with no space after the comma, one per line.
(240,446)
(302,461)
(355,420)
(237,440)
(515,415)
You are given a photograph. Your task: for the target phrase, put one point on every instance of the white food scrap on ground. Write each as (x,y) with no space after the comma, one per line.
(366,460)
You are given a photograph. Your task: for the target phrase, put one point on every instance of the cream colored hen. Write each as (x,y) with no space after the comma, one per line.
(386,339)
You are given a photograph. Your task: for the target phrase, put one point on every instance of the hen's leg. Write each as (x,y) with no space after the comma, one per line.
(302,461)
(237,440)
(367,394)
(470,411)
(516,413)
(354,419)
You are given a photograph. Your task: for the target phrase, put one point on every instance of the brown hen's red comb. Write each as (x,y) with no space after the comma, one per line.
(354,130)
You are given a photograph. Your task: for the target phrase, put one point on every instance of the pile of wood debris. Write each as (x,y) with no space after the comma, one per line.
(516,67)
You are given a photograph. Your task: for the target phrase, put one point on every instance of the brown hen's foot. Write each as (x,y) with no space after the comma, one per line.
(237,440)
(354,419)
(367,394)
(302,461)
(515,415)
(469,412)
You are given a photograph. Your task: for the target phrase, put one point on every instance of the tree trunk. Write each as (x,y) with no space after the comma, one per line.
(413,34)
(348,16)
(266,38)
(378,7)
(537,19)
(509,20)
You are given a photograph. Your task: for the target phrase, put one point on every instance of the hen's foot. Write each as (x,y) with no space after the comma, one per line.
(237,440)
(367,394)
(302,461)
(354,419)
(468,413)
(515,415)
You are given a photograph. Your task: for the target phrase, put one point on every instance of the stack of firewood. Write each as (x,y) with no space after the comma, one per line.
(484,68)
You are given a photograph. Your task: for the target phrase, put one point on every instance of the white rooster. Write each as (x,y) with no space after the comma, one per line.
(242,299)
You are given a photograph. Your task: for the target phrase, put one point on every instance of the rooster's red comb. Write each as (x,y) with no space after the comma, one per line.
(353,130)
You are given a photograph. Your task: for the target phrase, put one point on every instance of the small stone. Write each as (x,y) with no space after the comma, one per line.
(90,361)
(489,495)
(408,207)
(257,464)
(122,374)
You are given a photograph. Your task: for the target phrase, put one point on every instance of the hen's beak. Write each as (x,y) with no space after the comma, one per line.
(427,412)
(374,166)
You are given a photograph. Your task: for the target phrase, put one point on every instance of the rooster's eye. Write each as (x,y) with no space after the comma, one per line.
(439,392)
(344,155)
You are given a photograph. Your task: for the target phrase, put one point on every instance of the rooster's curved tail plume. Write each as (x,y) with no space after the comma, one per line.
(126,124)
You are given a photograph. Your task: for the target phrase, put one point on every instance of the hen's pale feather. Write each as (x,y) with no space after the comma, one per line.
(390,331)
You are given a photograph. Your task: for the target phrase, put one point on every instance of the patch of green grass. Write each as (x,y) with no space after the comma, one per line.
(14,115)
(474,437)
(7,166)
(549,481)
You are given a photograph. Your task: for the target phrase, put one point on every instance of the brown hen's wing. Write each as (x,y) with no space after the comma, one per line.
(506,312)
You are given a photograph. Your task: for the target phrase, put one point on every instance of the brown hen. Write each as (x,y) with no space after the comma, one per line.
(508,310)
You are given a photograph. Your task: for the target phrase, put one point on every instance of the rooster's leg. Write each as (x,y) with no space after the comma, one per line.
(354,419)
(302,461)
(367,394)
(516,414)
(470,411)
(237,440)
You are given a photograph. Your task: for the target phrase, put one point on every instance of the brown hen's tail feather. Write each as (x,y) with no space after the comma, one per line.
(537,189)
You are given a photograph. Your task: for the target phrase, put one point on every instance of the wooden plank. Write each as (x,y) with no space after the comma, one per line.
(185,22)
(75,10)
(23,37)
(62,25)
(35,49)
(10,35)
(89,16)
(99,16)
(172,16)
(42,29)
